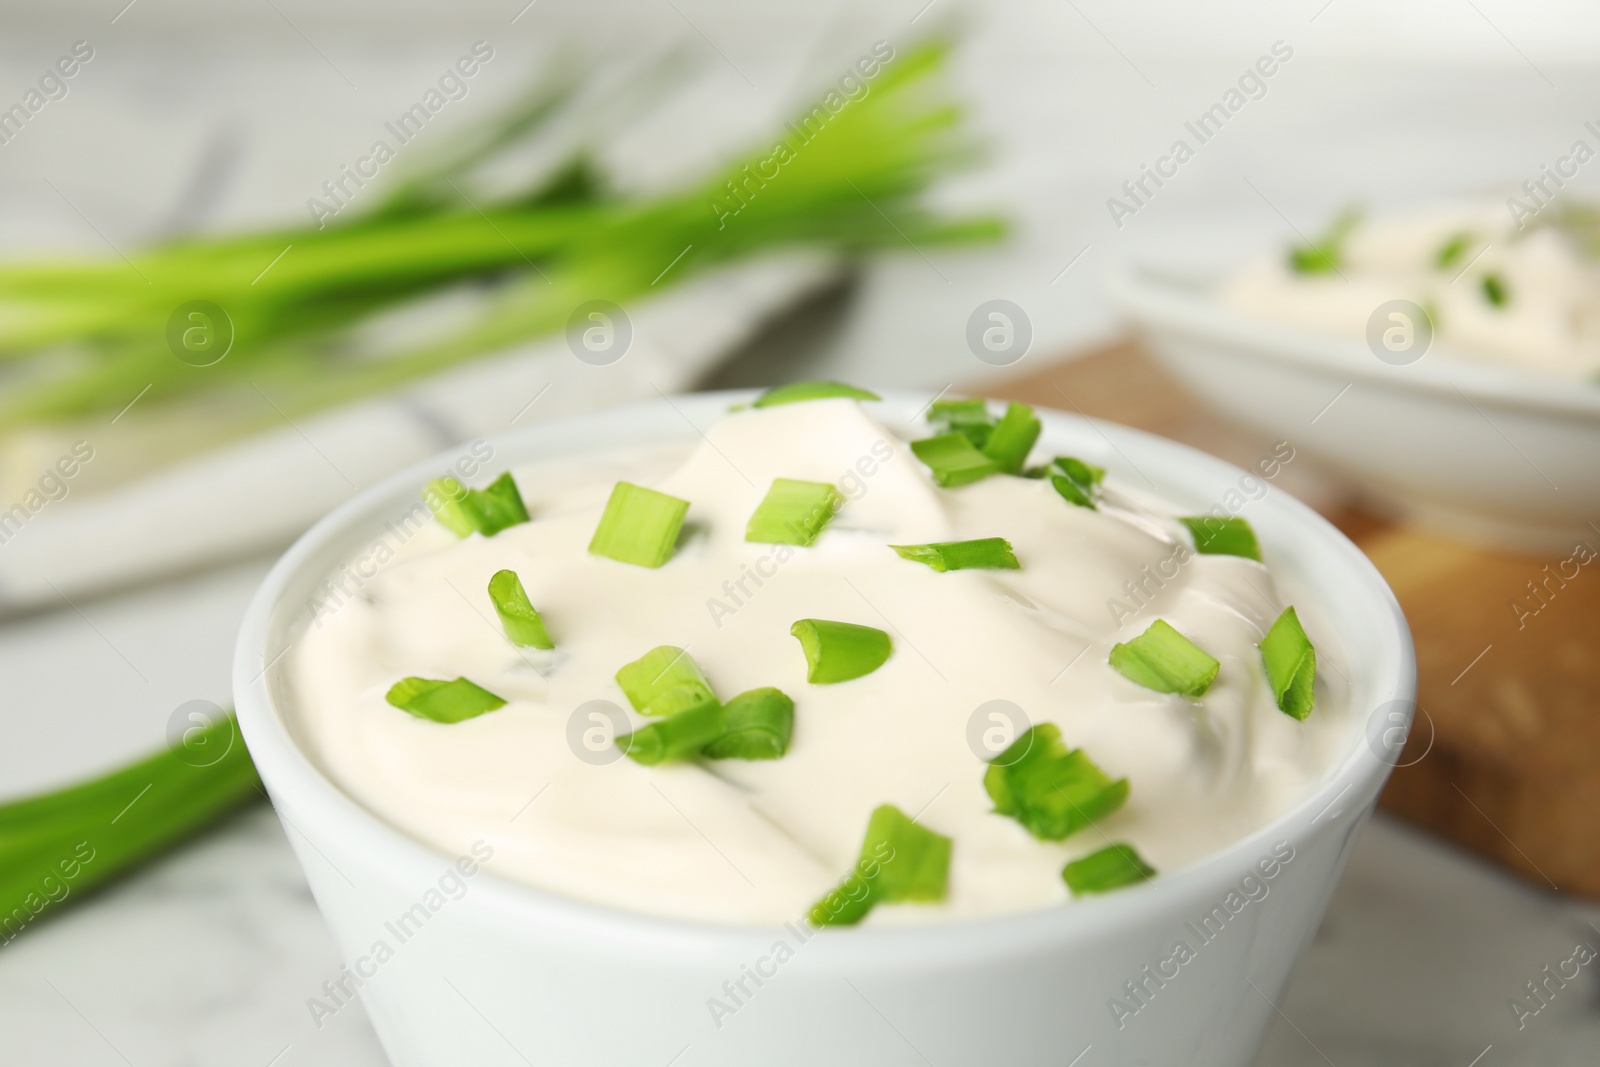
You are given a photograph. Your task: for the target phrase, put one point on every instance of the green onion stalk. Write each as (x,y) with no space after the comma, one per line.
(83,338)
(55,847)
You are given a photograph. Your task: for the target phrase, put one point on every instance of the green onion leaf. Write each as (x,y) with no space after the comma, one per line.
(440,701)
(1049,790)
(840,651)
(759,724)
(900,861)
(801,391)
(640,526)
(1291,665)
(969,417)
(1013,438)
(1214,536)
(486,511)
(793,512)
(1494,290)
(697,720)
(985,553)
(522,623)
(1164,660)
(1110,868)
(953,459)
(647,679)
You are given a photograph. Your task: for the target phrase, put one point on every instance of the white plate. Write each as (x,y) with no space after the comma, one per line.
(1470,450)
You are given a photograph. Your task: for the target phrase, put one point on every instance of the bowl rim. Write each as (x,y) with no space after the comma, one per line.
(1163,295)
(293,779)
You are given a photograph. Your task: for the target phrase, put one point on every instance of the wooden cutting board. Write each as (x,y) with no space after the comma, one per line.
(1505,756)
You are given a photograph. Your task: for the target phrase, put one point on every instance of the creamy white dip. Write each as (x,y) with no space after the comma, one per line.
(761,841)
(1548,322)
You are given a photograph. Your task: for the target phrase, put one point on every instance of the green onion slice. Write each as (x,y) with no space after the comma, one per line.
(1452,250)
(840,651)
(1164,660)
(1110,868)
(1326,254)
(663,669)
(1013,438)
(793,512)
(1495,291)
(800,391)
(759,725)
(1077,482)
(900,861)
(639,526)
(517,615)
(1291,664)
(1214,536)
(969,417)
(440,701)
(1049,790)
(447,499)
(953,459)
(486,511)
(696,721)
(985,553)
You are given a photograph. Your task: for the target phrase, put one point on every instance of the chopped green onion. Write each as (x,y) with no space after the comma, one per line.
(799,391)
(678,698)
(953,459)
(486,511)
(683,733)
(1164,660)
(1494,290)
(652,675)
(1013,438)
(522,623)
(1326,254)
(957,413)
(640,526)
(900,861)
(1110,868)
(1452,250)
(1291,665)
(1214,536)
(759,724)
(1077,482)
(969,417)
(1049,790)
(447,499)
(840,651)
(793,512)
(440,701)
(500,505)
(986,553)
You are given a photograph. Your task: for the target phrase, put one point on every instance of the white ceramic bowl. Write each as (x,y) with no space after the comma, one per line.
(492,973)
(1469,449)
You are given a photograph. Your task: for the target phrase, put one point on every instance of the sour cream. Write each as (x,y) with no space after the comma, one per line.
(759,842)
(1548,321)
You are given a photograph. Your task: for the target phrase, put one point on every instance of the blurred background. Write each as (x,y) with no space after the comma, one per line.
(197,122)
